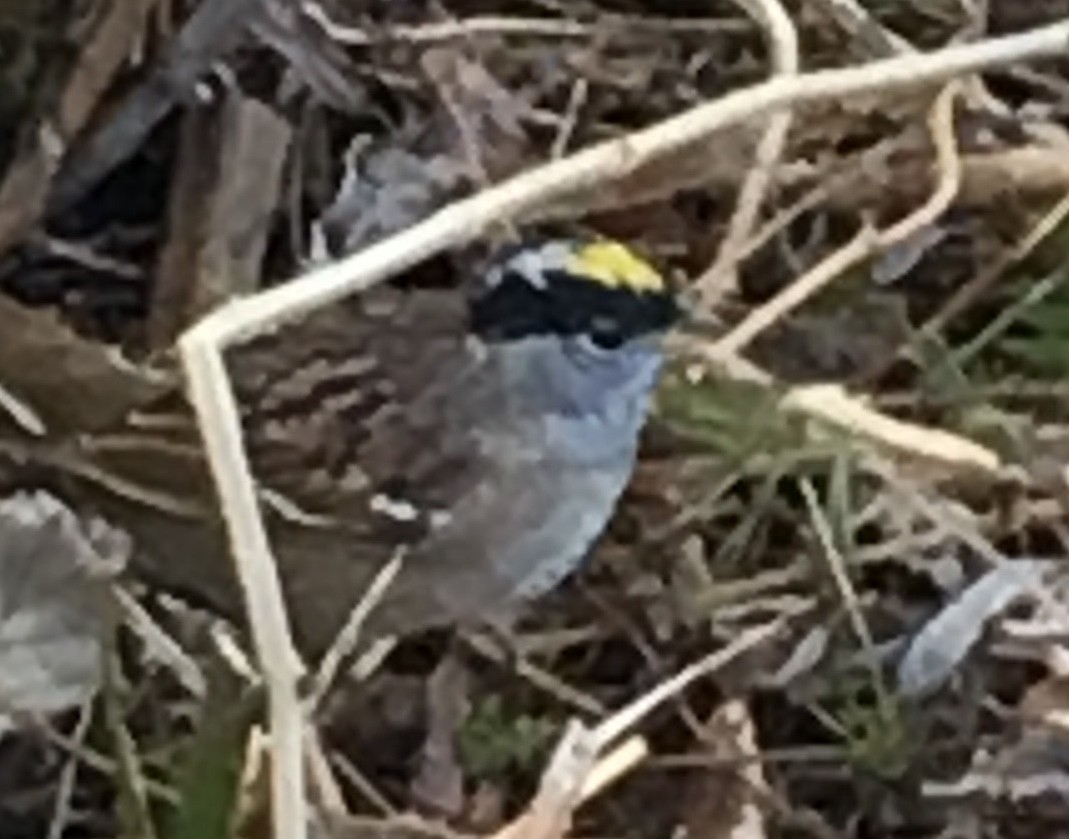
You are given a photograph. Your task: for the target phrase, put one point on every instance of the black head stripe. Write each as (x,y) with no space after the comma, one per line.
(510,310)
(569,305)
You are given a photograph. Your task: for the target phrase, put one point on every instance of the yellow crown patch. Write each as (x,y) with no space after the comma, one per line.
(613,265)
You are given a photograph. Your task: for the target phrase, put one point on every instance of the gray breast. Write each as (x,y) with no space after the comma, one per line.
(539,451)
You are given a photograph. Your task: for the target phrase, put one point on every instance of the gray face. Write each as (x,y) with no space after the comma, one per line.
(577,353)
(595,402)
(565,368)
(555,436)
(590,402)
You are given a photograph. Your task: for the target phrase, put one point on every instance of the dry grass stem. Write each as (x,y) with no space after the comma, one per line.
(362,785)
(217,415)
(833,266)
(24,416)
(615,765)
(832,404)
(577,770)
(868,241)
(862,26)
(948,165)
(721,277)
(537,677)
(627,717)
(489,25)
(837,566)
(328,793)
(349,635)
(1051,221)
(160,646)
(61,815)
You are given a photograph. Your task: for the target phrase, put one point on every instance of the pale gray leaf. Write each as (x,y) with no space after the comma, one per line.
(947,638)
(806,655)
(903,257)
(54,608)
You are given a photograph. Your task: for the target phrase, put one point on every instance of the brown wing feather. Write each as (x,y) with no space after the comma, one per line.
(352,403)
(341,407)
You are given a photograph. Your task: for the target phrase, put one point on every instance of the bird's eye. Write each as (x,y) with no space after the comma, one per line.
(599,343)
(605,333)
(606,340)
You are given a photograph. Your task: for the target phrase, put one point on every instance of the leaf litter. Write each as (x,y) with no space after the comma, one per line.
(156,158)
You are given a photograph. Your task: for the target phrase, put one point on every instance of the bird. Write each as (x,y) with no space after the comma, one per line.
(484,436)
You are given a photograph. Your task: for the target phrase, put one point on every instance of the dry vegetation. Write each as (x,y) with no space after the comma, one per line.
(831,604)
